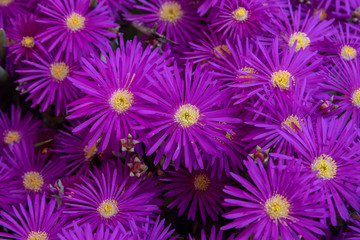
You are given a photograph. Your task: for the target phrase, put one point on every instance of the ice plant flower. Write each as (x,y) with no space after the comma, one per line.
(326,147)
(109,198)
(11,9)
(46,79)
(74,28)
(186,119)
(275,202)
(347,10)
(243,18)
(38,220)
(112,103)
(16,128)
(177,18)
(23,34)
(197,193)
(150,230)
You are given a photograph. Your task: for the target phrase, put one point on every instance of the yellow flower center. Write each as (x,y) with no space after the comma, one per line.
(290,122)
(90,152)
(27,42)
(108,208)
(37,236)
(302,40)
(247,70)
(348,53)
(240,14)
(201,182)
(11,137)
(75,22)
(281,79)
(33,181)
(325,165)
(5,3)
(171,11)
(59,71)
(277,207)
(356,98)
(323,14)
(221,49)
(187,115)
(121,100)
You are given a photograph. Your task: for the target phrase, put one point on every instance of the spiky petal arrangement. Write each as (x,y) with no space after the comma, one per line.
(152,230)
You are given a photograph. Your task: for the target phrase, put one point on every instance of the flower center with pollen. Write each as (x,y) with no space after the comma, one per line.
(277,207)
(5,3)
(348,53)
(37,236)
(187,115)
(33,181)
(108,208)
(90,152)
(11,137)
(356,98)
(121,100)
(240,14)
(75,22)
(221,49)
(247,70)
(201,182)
(27,42)
(301,39)
(290,122)
(281,79)
(171,11)
(325,165)
(59,71)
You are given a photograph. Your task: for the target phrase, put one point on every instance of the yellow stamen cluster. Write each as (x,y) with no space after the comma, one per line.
(356,98)
(90,152)
(75,22)
(277,207)
(290,122)
(247,70)
(187,115)
(5,3)
(325,165)
(301,39)
(59,71)
(281,79)
(33,181)
(11,137)
(348,53)
(240,14)
(40,235)
(108,208)
(201,182)
(171,12)
(121,100)
(221,49)
(27,42)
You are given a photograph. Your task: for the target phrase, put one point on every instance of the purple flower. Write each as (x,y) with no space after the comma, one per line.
(354,232)
(195,192)
(276,203)
(39,219)
(23,32)
(47,81)
(347,10)
(111,198)
(86,232)
(16,128)
(186,119)
(178,18)
(74,28)
(112,103)
(11,9)
(212,235)
(243,18)
(326,147)
(33,171)
(150,230)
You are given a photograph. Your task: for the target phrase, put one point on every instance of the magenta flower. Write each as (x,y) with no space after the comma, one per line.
(186,117)
(275,203)
(212,235)
(178,18)
(150,230)
(47,81)
(112,103)
(39,219)
(11,9)
(75,29)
